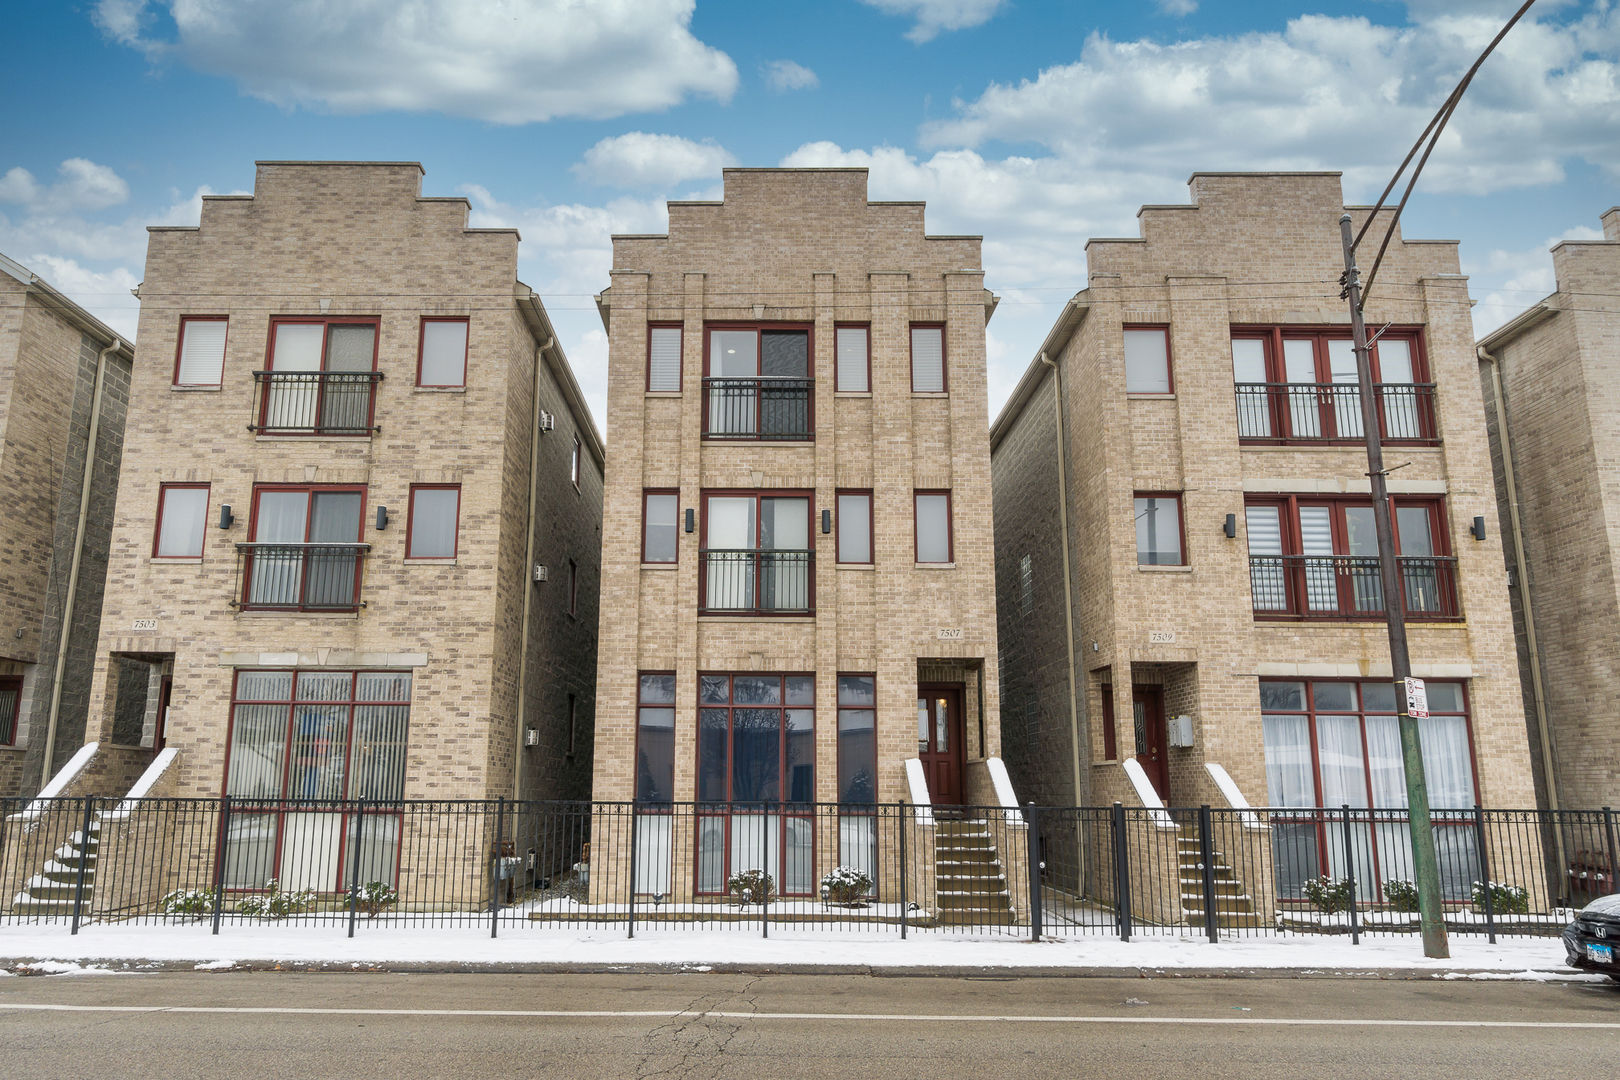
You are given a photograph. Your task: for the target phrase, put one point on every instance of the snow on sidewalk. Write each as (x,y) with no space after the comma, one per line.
(696,950)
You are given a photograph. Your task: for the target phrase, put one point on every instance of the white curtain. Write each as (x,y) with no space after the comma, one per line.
(1299,363)
(1446,762)
(1338,748)
(1346,392)
(1400,407)
(1289,780)
(1253,403)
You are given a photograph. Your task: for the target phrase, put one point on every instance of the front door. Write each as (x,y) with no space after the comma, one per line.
(1148,706)
(939,742)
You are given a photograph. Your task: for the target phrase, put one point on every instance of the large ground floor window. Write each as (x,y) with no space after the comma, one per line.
(314,738)
(1336,743)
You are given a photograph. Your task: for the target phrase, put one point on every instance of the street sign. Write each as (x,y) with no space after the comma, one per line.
(1417,698)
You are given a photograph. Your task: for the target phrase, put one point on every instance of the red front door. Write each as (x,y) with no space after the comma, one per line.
(1148,706)
(939,742)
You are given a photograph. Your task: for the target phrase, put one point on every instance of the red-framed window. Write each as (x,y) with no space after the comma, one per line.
(199,353)
(853,359)
(933,535)
(758,381)
(757,552)
(660,525)
(857,772)
(1299,384)
(929,374)
(573,587)
(302,742)
(441,352)
(1317,557)
(1332,743)
(854,523)
(573,463)
(320,376)
(1147,360)
(756,773)
(10,707)
(655,737)
(1110,735)
(664,357)
(182,521)
(304,551)
(1161,538)
(433,528)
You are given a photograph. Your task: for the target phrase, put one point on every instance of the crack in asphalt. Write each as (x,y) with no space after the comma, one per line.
(701,1037)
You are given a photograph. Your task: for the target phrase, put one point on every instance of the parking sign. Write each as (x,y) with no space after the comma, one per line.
(1417,698)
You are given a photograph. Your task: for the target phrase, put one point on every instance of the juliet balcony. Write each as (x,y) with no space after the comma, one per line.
(1303,587)
(1282,413)
(341,403)
(301,577)
(763,409)
(747,582)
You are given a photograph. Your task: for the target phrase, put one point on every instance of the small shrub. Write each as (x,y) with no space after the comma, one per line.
(1505,899)
(276,904)
(1402,895)
(845,885)
(193,903)
(1329,894)
(751,887)
(374,896)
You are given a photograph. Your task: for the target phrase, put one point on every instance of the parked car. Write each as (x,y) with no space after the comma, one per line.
(1593,939)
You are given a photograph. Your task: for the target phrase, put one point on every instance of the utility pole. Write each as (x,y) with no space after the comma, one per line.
(1425,867)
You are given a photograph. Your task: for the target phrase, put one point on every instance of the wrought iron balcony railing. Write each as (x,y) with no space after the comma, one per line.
(1331,412)
(301,577)
(764,408)
(1350,587)
(758,582)
(315,402)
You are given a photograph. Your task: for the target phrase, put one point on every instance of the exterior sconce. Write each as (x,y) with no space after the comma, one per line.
(1231,527)
(826,521)
(226,518)
(382,518)
(691,520)
(1477,529)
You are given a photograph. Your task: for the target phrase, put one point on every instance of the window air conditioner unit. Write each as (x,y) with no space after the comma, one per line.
(531,737)
(548,421)
(1181,731)
(539,572)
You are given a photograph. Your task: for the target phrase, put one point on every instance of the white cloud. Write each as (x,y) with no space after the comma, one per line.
(1511,281)
(1337,93)
(784,75)
(105,294)
(84,186)
(640,160)
(1177,8)
(505,61)
(935,15)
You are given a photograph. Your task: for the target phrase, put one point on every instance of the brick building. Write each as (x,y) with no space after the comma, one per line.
(798,581)
(64,381)
(351,437)
(1553,372)
(1191,426)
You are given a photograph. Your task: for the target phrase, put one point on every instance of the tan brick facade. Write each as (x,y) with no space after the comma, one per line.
(1560,376)
(802,249)
(357,241)
(1250,251)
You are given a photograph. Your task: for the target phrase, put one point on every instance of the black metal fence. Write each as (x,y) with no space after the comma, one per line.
(315,402)
(759,408)
(785,868)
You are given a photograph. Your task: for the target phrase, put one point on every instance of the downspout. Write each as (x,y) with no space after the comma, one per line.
(1068,587)
(528,572)
(78,556)
(1549,773)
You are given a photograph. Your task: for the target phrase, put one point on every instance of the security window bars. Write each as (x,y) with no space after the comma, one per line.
(1302,386)
(756,773)
(314,736)
(757,383)
(757,555)
(200,358)
(182,521)
(304,553)
(928,360)
(1314,558)
(443,353)
(320,379)
(1332,744)
(1147,360)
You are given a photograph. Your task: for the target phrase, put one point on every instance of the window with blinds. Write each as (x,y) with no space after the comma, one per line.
(202,353)
(927,359)
(664,358)
(853,360)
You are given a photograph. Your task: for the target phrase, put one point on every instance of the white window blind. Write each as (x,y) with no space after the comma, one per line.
(852,359)
(444,353)
(927,360)
(1147,362)
(202,353)
(664,359)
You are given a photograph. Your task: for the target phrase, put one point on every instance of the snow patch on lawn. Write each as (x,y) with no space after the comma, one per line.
(216,965)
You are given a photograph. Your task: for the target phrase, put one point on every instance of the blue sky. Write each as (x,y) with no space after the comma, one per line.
(1036,124)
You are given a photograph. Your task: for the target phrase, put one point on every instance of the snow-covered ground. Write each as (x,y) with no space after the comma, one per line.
(701,949)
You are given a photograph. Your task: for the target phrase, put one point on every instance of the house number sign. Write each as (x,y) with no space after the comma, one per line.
(1161,637)
(950,633)
(142,625)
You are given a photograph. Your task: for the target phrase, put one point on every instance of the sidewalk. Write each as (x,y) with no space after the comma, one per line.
(283,945)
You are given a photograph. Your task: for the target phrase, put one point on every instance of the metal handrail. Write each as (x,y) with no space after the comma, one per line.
(301,576)
(758,407)
(1350,587)
(315,402)
(1329,412)
(753,580)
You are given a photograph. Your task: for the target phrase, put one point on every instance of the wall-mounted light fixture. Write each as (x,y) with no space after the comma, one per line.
(382,518)
(226,518)
(826,521)
(1477,529)
(691,520)
(1230,529)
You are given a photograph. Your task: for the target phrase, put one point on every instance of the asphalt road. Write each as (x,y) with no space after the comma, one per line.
(280,1026)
